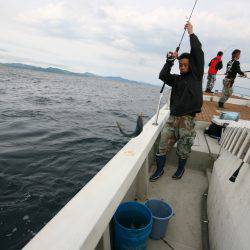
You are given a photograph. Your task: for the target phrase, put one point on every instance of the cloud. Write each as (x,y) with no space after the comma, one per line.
(51,12)
(123,43)
(3,50)
(119,37)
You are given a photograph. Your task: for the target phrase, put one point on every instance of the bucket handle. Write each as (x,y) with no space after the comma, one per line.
(173,214)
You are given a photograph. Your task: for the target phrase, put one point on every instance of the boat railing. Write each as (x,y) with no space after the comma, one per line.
(84,221)
(244,100)
(236,140)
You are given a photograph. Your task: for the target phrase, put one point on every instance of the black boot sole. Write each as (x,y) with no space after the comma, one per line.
(178,177)
(155,179)
(221,106)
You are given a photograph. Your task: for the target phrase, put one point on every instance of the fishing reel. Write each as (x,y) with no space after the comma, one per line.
(170,57)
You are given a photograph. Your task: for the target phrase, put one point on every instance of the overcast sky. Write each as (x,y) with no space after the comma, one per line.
(125,38)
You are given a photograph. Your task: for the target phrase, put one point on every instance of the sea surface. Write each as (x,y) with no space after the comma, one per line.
(56,133)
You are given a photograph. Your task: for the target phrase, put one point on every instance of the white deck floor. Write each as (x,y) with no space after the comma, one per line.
(184,195)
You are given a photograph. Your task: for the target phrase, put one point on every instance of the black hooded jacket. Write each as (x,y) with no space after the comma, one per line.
(186,96)
(233,68)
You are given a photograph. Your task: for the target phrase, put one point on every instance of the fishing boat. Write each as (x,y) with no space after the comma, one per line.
(211,212)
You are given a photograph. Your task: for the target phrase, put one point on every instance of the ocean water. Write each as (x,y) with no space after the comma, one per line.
(56,133)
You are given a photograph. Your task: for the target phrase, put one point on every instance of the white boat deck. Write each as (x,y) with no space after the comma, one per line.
(184,195)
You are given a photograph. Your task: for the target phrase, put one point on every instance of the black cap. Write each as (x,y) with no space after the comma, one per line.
(184,55)
(220,53)
(236,51)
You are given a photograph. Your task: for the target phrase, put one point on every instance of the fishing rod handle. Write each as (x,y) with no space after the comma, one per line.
(162,88)
(236,173)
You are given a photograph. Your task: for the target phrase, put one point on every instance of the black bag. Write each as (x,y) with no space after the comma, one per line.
(214,130)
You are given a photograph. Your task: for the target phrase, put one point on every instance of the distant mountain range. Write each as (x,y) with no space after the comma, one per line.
(66,72)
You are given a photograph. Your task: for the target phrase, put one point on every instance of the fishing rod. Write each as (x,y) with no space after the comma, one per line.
(176,50)
(244,77)
(184,32)
(223,74)
(236,173)
(241,87)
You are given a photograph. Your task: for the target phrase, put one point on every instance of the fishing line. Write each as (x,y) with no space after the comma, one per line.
(229,47)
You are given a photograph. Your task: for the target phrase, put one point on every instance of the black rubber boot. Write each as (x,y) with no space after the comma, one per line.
(221,105)
(180,170)
(160,163)
(209,91)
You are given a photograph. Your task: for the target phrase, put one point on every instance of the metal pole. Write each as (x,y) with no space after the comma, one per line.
(158,110)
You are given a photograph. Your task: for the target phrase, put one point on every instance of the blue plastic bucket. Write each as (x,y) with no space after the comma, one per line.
(161,212)
(133,224)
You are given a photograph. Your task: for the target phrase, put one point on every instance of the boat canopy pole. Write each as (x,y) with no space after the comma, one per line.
(177,49)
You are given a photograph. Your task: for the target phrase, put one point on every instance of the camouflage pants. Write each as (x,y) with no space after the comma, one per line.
(180,130)
(227,90)
(210,81)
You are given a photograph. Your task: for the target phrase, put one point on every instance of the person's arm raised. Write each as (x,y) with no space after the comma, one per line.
(197,55)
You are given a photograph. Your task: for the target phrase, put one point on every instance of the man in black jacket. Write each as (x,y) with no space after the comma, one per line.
(185,101)
(233,68)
